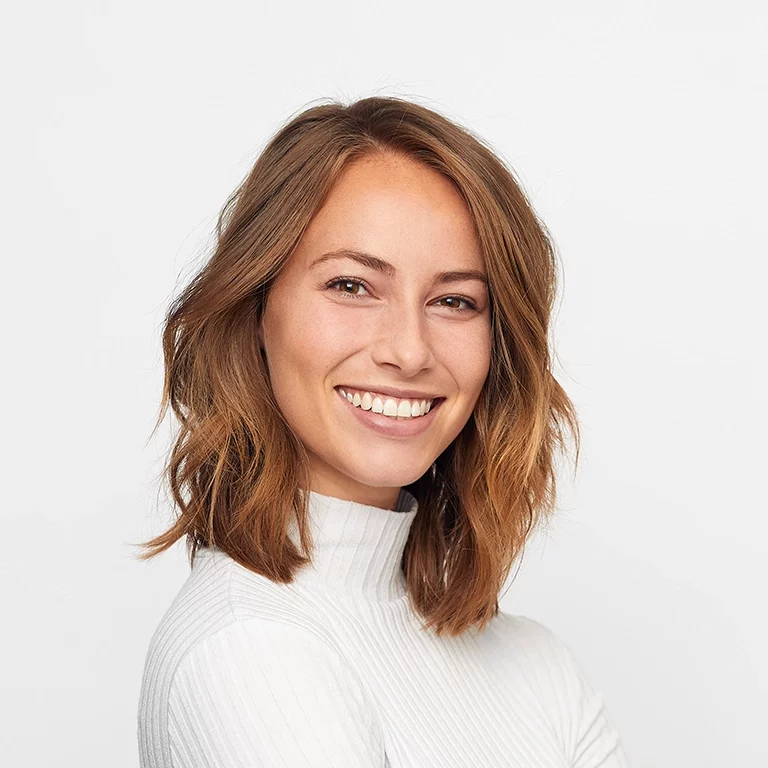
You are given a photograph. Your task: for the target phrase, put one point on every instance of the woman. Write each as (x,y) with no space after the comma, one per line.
(368,429)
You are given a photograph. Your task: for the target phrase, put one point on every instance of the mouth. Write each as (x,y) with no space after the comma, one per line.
(403,408)
(392,426)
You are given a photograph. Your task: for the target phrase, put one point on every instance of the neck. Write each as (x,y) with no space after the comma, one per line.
(357,548)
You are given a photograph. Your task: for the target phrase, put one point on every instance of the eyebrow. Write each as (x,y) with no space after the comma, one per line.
(374,262)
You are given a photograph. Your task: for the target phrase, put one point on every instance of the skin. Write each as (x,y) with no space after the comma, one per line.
(400,331)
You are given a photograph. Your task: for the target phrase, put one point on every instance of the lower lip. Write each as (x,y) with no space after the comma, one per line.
(391,426)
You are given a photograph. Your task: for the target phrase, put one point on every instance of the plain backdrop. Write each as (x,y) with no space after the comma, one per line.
(638,131)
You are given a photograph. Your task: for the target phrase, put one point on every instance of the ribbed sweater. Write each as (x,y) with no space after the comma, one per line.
(335,671)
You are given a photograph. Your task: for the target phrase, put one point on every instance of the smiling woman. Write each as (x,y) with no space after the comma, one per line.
(368,428)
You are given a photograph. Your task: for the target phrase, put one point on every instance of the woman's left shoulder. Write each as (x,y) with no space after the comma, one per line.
(539,649)
(528,634)
(550,666)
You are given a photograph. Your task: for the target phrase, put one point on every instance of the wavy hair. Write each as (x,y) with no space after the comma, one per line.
(236,469)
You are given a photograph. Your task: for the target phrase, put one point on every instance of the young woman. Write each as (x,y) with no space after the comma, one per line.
(368,425)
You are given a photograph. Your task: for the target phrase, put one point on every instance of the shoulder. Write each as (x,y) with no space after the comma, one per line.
(217,594)
(528,635)
(578,711)
(222,604)
(261,692)
(276,692)
(259,652)
(238,658)
(542,653)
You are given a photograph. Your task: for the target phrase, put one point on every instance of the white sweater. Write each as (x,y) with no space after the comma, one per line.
(334,671)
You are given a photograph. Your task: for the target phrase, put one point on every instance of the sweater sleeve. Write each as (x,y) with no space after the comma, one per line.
(597,742)
(260,693)
(591,740)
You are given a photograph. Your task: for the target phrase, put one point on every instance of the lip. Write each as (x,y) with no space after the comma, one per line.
(392,392)
(390,426)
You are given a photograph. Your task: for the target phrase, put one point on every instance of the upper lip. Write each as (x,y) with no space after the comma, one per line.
(393,391)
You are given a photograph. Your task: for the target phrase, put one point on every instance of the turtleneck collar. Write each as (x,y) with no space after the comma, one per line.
(357,547)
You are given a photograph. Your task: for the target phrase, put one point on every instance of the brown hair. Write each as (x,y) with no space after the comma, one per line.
(236,468)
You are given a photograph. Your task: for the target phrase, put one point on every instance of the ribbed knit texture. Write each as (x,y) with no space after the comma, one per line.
(334,670)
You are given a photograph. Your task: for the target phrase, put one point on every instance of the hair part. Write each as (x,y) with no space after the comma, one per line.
(236,469)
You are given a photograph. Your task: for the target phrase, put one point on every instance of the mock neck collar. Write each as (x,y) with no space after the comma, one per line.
(357,547)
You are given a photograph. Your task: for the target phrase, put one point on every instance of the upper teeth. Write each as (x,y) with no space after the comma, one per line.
(389,406)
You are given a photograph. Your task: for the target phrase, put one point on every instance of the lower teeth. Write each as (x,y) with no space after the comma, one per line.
(370,410)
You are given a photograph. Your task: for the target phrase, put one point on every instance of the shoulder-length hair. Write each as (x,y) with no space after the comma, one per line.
(236,469)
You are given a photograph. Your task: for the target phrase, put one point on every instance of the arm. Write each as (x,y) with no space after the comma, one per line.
(590,738)
(597,741)
(260,693)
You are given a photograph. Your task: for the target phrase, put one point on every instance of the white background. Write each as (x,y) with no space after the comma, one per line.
(638,130)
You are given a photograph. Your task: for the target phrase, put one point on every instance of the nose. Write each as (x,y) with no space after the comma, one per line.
(404,340)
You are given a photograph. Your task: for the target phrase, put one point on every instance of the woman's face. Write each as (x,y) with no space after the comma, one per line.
(396,328)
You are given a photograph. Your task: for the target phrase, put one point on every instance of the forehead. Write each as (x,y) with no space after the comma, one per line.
(399,209)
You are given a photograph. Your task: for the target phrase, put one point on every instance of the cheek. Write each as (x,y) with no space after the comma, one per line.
(308,341)
(467,355)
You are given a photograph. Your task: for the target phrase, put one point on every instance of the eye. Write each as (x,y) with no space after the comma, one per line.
(471,304)
(346,281)
(350,281)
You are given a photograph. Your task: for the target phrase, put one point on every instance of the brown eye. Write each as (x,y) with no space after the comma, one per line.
(346,281)
(471,304)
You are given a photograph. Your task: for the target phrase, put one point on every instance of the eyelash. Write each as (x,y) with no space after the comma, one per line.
(473,306)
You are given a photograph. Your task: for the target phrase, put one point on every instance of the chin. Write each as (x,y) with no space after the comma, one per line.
(389,477)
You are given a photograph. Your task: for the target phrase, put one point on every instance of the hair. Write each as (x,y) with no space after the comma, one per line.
(236,469)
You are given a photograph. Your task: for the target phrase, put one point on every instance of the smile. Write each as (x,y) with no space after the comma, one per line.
(394,407)
(389,417)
